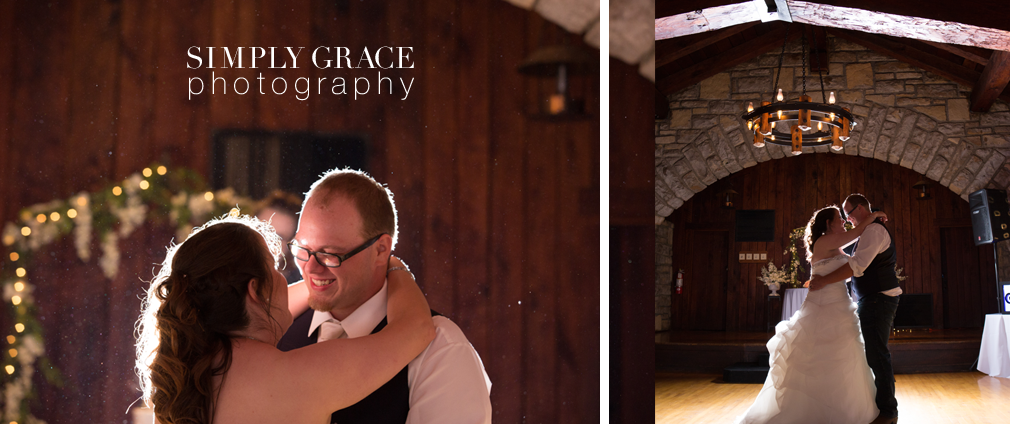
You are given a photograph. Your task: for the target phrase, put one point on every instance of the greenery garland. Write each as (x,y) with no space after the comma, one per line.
(155,196)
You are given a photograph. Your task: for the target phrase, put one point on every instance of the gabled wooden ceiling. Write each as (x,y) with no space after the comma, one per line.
(687,60)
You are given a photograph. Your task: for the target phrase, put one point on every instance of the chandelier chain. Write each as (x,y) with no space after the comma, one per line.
(778,72)
(820,67)
(803,47)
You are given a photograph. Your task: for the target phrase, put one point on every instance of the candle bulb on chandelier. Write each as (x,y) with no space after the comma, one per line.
(750,107)
(831,98)
(780,97)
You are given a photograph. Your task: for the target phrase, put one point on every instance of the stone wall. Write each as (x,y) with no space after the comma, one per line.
(905,116)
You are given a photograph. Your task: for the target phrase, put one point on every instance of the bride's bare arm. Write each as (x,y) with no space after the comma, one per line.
(818,282)
(298,298)
(338,373)
(829,242)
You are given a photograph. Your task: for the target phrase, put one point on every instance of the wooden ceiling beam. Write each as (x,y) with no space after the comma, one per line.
(991,83)
(826,15)
(728,59)
(717,36)
(973,54)
(910,55)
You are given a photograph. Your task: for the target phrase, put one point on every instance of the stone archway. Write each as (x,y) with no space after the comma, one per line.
(906,116)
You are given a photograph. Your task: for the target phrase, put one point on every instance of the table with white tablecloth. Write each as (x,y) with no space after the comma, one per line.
(994,354)
(792,300)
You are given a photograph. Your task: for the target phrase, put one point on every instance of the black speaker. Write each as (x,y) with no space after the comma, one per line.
(989,211)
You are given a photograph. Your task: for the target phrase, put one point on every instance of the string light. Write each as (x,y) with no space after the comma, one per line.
(41,218)
(19,287)
(19,327)
(72,213)
(20,272)
(25,231)
(16,300)
(15,256)
(11,339)
(162,170)
(8,240)
(147,172)
(13,353)
(82,201)
(55,216)
(117,190)
(208,196)
(10,369)
(144,185)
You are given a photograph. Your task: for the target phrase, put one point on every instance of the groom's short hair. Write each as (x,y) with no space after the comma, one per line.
(857,199)
(374,201)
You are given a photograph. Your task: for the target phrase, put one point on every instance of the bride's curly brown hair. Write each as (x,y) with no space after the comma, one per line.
(817,226)
(194,307)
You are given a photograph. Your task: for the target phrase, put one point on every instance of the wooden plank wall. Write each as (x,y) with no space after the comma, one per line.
(632,245)
(498,210)
(795,187)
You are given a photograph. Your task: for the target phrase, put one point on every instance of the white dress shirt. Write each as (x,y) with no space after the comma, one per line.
(447,380)
(872,242)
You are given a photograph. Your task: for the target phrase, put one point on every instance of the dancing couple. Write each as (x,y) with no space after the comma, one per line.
(224,339)
(820,366)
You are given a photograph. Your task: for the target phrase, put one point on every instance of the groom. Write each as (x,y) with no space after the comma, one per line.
(349,215)
(875,284)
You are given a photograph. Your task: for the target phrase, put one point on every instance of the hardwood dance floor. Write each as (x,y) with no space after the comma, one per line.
(964,397)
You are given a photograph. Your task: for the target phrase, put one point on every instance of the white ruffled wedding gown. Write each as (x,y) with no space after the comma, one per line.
(818,365)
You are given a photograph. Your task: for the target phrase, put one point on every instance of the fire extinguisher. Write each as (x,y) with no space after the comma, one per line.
(680,280)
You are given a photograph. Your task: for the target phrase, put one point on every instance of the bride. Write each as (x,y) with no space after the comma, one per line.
(818,368)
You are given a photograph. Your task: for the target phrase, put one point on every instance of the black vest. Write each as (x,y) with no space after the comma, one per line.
(389,404)
(879,275)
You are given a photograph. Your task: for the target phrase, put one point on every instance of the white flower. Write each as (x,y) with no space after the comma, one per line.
(199,206)
(226,196)
(132,184)
(13,393)
(31,345)
(110,255)
(82,225)
(131,216)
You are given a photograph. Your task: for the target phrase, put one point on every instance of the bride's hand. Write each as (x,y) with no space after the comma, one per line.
(878,214)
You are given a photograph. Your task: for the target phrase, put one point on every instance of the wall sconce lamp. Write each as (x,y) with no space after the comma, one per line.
(728,198)
(561,61)
(922,192)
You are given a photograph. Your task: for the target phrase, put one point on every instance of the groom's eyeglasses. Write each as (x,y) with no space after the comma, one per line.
(850,211)
(329,260)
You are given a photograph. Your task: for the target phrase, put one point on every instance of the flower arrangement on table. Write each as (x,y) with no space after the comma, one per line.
(790,275)
(178,198)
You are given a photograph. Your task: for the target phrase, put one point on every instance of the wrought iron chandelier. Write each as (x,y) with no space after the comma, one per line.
(800,123)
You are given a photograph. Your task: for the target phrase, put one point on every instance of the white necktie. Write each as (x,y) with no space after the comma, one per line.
(331,329)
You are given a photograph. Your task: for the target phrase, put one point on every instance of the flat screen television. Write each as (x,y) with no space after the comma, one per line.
(914,311)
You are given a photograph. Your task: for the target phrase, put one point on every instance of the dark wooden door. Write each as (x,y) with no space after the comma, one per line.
(707,278)
(963,266)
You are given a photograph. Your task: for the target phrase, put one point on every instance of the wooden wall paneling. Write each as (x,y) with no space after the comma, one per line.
(237,24)
(439,138)
(181,126)
(332,26)
(94,81)
(472,153)
(40,123)
(577,347)
(136,94)
(93,97)
(403,132)
(542,181)
(285,24)
(508,133)
(71,322)
(369,111)
(7,73)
